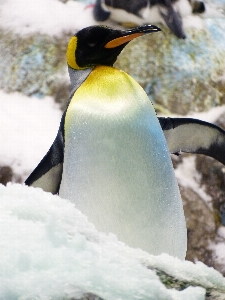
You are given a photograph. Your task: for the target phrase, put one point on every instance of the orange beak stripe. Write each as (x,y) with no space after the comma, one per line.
(122,40)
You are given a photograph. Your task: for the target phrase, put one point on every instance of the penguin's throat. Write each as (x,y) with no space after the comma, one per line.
(77,77)
(108,91)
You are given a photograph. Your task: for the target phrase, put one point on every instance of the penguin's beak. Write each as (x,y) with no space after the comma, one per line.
(128,35)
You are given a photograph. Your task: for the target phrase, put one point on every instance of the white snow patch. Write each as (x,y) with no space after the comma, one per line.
(211,115)
(50,17)
(49,250)
(218,249)
(28,128)
(219,254)
(221,233)
(188,176)
(193,21)
(213,10)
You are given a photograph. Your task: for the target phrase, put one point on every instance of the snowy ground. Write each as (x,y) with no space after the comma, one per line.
(49,250)
(28,128)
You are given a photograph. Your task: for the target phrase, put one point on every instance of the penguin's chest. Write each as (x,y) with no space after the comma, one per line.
(117,168)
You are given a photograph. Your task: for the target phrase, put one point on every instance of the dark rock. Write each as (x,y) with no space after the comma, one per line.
(6,174)
(201,227)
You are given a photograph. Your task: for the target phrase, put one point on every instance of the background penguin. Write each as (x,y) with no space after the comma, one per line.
(110,156)
(138,12)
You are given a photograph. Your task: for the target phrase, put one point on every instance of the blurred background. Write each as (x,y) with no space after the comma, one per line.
(182,69)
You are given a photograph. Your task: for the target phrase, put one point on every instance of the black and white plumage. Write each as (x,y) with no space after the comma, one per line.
(167,12)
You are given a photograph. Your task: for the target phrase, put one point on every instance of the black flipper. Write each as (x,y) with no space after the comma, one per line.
(194,136)
(48,173)
(173,19)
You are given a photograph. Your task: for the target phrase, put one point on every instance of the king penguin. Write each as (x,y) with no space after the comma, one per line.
(110,157)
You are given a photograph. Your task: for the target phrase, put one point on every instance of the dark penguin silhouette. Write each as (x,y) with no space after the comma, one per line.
(139,12)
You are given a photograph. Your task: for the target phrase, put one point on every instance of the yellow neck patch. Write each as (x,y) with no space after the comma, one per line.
(70,54)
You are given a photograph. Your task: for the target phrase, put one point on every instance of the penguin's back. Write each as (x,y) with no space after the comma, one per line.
(117,168)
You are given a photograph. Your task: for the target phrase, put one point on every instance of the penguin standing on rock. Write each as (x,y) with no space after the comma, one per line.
(131,13)
(110,156)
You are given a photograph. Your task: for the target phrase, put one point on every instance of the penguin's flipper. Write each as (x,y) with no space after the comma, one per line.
(48,173)
(99,13)
(194,136)
(173,20)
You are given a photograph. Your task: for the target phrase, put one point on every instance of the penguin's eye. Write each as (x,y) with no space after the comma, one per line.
(91,45)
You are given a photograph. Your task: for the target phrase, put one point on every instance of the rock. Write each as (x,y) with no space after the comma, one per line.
(6,174)
(175,283)
(35,65)
(204,201)
(201,227)
(172,283)
(89,297)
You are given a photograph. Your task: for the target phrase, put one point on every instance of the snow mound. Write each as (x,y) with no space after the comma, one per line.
(49,250)
(29,128)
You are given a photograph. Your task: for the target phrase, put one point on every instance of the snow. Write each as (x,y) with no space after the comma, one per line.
(211,115)
(50,17)
(193,21)
(219,247)
(28,128)
(49,250)
(187,176)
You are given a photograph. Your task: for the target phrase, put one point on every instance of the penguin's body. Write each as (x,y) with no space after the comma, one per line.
(117,169)
(110,156)
(139,12)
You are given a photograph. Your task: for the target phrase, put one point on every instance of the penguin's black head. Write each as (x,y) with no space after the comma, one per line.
(100,45)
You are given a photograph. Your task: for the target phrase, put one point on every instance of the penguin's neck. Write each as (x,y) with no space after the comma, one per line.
(77,77)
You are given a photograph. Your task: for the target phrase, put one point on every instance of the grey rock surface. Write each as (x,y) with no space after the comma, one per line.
(34,65)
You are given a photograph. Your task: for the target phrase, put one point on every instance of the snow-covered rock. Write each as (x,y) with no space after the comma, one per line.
(49,250)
